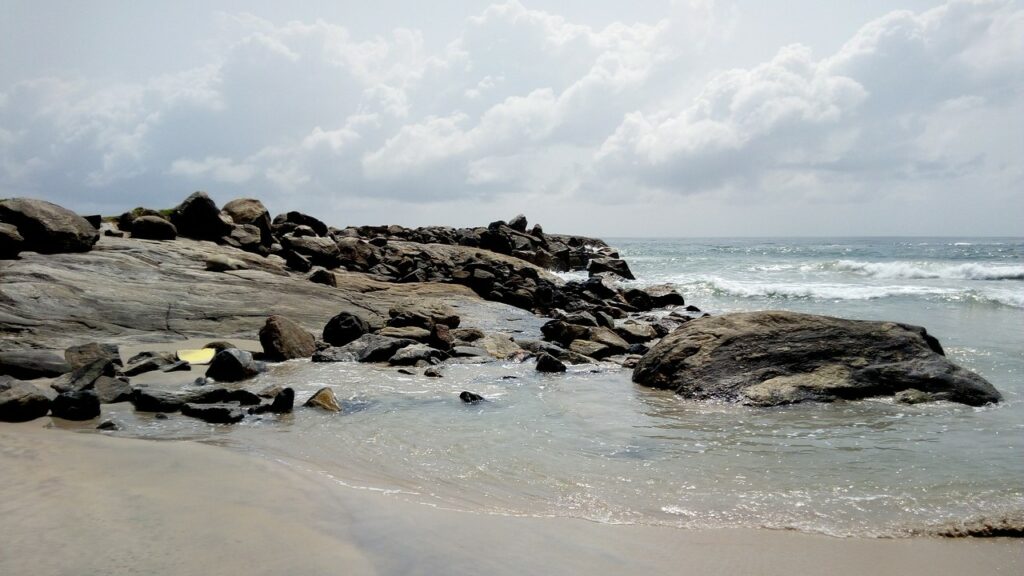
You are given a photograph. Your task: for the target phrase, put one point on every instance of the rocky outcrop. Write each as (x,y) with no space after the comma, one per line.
(249,211)
(30,364)
(11,242)
(46,227)
(772,358)
(21,401)
(283,339)
(198,217)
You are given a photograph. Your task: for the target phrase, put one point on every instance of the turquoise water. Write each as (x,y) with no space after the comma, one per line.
(591,444)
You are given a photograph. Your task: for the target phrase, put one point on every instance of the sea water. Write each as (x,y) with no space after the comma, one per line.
(591,444)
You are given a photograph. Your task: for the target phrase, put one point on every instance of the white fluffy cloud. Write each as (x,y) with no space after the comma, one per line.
(526,102)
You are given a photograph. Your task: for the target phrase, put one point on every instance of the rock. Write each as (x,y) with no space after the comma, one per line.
(11,242)
(283,339)
(664,295)
(324,399)
(84,377)
(518,223)
(615,266)
(113,233)
(633,332)
(323,276)
(914,396)
(283,401)
(286,222)
(76,405)
(441,337)
(320,251)
(423,315)
(252,212)
(411,355)
(109,425)
(638,349)
(563,332)
(21,401)
(501,346)
(214,413)
(469,352)
(224,263)
(589,348)
(366,348)
(198,217)
(78,356)
(608,338)
(433,372)
(467,334)
(112,390)
(153,400)
(638,299)
(344,328)
(270,391)
(411,332)
(48,228)
(153,228)
(548,363)
(177,366)
(160,416)
(539,346)
(470,397)
(219,345)
(233,365)
(31,364)
(245,237)
(144,365)
(771,358)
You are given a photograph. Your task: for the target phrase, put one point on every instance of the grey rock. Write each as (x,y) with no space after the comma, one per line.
(78,356)
(21,401)
(214,413)
(153,228)
(548,363)
(283,339)
(109,425)
(411,355)
(84,377)
(233,365)
(31,364)
(470,397)
(48,228)
(366,348)
(613,265)
(112,390)
(771,358)
(250,211)
(344,328)
(11,242)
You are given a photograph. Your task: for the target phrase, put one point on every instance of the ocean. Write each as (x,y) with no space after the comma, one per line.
(591,444)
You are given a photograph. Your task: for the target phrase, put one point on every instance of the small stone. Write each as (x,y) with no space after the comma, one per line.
(325,400)
(433,372)
(548,363)
(108,425)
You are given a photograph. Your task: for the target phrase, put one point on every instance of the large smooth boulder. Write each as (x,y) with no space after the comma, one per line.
(253,212)
(771,358)
(11,242)
(198,217)
(30,364)
(283,339)
(344,328)
(233,365)
(21,401)
(153,228)
(48,228)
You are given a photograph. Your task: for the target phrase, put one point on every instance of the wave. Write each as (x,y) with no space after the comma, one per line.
(835,291)
(927,270)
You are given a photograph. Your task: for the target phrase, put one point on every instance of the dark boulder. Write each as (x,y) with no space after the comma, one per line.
(283,339)
(245,237)
(124,221)
(366,348)
(48,228)
(250,211)
(214,413)
(11,242)
(84,377)
(153,228)
(416,353)
(320,275)
(30,364)
(76,405)
(664,295)
(772,358)
(198,217)
(518,223)
(344,328)
(470,397)
(320,251)
(615,266)
(78,356)
(112,390)
(233,365)
(21,401)
(548,363)
(284,223)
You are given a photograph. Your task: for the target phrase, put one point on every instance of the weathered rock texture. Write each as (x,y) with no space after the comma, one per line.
(771,358)
(46,227)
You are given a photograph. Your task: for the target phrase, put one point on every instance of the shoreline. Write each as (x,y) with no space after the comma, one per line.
(90,504)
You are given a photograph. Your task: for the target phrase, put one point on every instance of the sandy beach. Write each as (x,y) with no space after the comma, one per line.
(74,503)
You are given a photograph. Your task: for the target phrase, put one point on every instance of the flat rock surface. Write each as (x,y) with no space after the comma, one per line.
(129,290)
(771,358)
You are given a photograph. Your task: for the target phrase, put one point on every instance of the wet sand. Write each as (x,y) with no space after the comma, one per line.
(82,503)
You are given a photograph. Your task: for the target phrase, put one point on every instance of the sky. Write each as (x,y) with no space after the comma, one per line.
(613,119)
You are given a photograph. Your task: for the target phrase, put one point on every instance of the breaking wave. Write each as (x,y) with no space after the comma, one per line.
(925,270)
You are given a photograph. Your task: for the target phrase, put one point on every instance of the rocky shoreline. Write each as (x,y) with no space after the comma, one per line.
(388,294)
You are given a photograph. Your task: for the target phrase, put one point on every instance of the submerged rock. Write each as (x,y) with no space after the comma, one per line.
(214,413)
(548,363)
(772,358)
(470,397)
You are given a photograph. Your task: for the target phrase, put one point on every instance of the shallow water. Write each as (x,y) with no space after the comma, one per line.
(591,444)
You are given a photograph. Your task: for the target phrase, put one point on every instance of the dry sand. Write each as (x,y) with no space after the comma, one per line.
(81,503)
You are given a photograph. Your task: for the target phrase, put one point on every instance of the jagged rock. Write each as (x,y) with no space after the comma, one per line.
(283,339)
(46,227)
(344,328)
(78,356)
(539,347)
(470,398)
(85,376)
(366,348)
(76,405)
(245,237)
(411,355)
(608,338)
(153,400)
(112,390)
(153,228)
(283,223)
(177,366)
(423,315)
(324,399)
(518,223)
(233,365)
(411,332)
(548,363)
(563,332)
(500,346)
(319,250)
(11,242)
(633,332)
(771,358)
(31,364)
(588,348)
(198,217)
(664,295)
(21,401)
(143,365)
(618,267)
(214,413)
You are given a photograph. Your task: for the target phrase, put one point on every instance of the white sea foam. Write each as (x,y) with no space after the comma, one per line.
(927,270)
